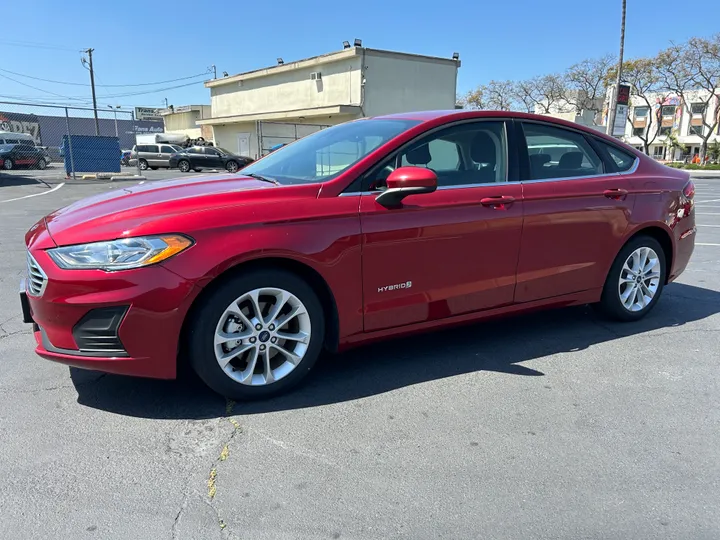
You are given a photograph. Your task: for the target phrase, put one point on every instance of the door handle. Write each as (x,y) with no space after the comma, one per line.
(499,203)
(616,194)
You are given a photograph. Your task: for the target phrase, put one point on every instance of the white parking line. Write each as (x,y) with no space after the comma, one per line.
(707,213)
(706,244)
(34,194)
(703,202)
(713,226)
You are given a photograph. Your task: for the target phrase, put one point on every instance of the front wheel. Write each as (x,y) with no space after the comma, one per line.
(143,165)
(256,335)
(635,281)
(8,164)
(232,166)
(184,165)
(41,164)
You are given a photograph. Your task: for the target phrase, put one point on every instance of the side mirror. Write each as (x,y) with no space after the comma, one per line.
(407,181)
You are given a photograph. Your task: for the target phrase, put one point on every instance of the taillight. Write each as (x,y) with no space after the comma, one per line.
(689,190)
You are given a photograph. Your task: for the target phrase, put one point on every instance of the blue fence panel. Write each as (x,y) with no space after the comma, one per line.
(91,154)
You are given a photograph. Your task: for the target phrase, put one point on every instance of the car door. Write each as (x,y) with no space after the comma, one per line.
(197,158)
(214,157)
(577,207)
(154,158)
(445,253)
(165,152)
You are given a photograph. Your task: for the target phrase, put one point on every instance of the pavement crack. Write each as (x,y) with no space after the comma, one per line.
(181,510)
(7,334)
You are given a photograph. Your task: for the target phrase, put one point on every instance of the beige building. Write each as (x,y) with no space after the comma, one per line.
(184,120)
(669,121)
(253,111)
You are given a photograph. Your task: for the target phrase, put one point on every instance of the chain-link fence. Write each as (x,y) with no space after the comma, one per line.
(70,140)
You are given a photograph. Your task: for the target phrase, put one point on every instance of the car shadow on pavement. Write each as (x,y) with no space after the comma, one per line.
(8,180)
(501,346)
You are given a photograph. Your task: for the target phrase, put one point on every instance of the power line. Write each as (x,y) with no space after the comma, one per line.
(103,85)
(40,89)
(149,91)
(31,45)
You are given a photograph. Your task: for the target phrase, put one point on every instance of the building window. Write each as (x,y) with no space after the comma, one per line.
(658,152)
(638,131)
(696,130)
(641,112)
(698,109)
(668,110)
(665,131)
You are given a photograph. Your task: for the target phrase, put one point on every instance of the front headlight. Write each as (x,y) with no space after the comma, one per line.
(121,254)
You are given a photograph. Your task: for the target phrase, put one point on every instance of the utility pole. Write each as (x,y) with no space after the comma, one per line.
(92,85)
(616,91)
(166,103)
(214,69)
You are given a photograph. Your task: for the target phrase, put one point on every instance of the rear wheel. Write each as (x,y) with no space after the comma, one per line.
(41,164)
(257,335)
(184,165)
(232,166)
(143,165)
(8,164)
(635,281)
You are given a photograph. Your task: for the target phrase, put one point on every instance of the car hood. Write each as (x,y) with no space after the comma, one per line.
(163,207)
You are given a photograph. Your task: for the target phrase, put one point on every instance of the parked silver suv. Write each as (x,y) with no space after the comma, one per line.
(154,156)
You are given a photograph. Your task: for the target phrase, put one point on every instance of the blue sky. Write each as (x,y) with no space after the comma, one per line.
(140,41)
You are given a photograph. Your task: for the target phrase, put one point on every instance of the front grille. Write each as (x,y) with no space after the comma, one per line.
(37,280)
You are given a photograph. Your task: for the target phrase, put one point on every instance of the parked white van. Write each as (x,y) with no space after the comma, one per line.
(10,137)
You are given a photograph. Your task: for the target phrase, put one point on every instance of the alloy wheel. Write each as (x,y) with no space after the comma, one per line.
(262,336)
(639,279)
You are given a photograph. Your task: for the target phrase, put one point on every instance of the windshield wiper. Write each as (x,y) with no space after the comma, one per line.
(263,178)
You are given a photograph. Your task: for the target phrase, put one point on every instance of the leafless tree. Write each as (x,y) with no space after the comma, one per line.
(586,84)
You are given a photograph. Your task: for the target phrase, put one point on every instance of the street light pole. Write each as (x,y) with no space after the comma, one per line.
(114,110)
(616,91)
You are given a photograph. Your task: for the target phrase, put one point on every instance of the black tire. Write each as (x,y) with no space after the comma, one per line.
(153,168)
(232,166)
(42,164)
(8,164)
(610,303)
(197,170)
(183,165)
(143,165)
(202,326)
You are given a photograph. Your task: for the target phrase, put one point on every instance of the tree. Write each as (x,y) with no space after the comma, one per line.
(692,71)
(544,95)
(495,95)
(643,77)
(586,83)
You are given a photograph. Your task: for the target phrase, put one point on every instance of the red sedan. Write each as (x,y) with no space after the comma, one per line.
(373,228)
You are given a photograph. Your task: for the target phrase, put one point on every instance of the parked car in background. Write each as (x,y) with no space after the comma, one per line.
(198,158)
(13,156)
(154,156)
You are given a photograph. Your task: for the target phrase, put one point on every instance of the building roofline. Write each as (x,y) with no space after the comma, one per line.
(324,59)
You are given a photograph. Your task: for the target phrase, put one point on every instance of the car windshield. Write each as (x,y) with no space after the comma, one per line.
(325,154)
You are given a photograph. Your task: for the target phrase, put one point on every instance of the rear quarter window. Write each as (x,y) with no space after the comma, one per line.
(622,159)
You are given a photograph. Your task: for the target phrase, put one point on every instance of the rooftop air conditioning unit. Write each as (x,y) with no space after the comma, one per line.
(315,76)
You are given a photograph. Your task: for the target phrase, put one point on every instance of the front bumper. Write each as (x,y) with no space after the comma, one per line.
(126,322)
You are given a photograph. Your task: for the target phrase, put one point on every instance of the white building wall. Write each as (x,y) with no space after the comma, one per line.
(290,90)
(399,83)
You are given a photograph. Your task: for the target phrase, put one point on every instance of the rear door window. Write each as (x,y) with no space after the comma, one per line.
(555,152)
(167,150)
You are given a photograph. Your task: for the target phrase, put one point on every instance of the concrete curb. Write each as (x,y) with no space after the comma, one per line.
(126,177)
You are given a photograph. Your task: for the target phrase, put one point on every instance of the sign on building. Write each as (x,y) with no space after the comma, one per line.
(147,113)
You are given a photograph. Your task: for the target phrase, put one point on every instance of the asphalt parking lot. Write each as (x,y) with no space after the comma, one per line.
(553,425)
